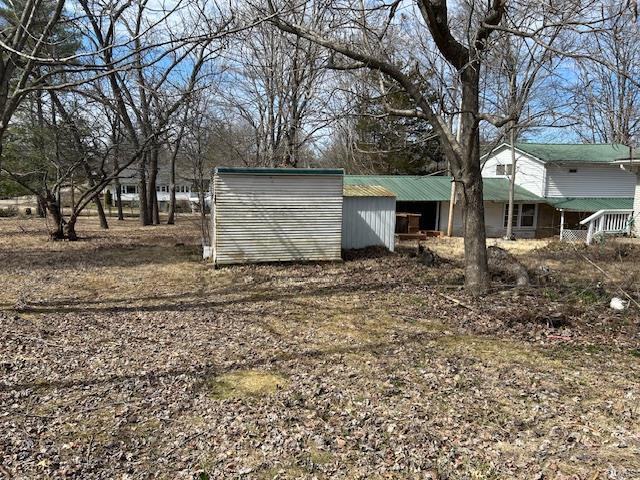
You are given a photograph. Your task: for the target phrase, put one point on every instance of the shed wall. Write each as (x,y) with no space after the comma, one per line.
(368,221)
(269,218)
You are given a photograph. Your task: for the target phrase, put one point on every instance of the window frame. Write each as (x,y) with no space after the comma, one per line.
(517,216)
(507,169)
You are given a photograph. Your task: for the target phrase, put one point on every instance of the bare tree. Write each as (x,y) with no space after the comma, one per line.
(155,75)
(276,89)
(27,41)
(519,83)
(606,93)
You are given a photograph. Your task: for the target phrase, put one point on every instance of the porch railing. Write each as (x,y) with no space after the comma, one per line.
(607,222)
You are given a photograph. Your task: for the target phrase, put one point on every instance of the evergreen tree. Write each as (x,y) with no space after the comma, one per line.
(393,144)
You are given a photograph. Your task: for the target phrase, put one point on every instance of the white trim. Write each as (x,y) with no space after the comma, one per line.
(507,145)
(518,215)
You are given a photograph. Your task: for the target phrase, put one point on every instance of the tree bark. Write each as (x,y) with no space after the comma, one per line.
(116,181)
(475,245)
(52,207)
(152,200)
(103,218)
(512,187)
(70,229)
(144,217)
(477,278)
(172,189)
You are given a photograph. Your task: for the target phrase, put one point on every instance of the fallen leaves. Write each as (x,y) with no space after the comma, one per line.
(352,370)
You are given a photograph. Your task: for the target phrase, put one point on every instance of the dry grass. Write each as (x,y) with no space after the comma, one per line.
(126,353)
(242,384)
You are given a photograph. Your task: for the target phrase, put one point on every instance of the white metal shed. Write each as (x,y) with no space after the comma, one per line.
(276,214)
(368,217)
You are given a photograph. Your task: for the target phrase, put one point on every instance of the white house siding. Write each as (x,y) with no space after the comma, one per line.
(493,218)
(589,181)
(636,206)
(368,221)
(266,218)
(530,173)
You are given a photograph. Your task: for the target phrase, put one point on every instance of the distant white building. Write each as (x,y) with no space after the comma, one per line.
(129,188)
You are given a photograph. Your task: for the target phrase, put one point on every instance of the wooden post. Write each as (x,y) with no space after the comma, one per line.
(452,200)
(451,208)
(561,223)
(590,233)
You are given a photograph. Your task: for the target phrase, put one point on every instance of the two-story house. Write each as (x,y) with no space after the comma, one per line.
(575,180)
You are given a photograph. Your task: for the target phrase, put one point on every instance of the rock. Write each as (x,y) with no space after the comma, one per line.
(618,304)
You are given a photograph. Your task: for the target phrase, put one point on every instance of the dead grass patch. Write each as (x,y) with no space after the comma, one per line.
(243,384)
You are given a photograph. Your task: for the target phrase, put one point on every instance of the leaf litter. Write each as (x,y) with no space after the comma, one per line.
(125,356)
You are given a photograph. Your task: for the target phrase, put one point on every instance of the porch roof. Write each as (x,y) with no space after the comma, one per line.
(591,204)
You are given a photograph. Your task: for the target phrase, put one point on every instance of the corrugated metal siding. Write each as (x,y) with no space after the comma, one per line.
(586,204)
(589,181)
(582,152)
(268,218)
(366,191)
(411,188)
(368,221)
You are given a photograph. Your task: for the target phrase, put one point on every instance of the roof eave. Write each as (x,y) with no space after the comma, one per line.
(519,150)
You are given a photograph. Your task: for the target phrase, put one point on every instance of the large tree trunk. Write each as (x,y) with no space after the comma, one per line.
(512,187)
(152,199)
(145,217)
(172,190)
(103,218)
(475,244)
(52,207)
(70,229)
(204,231)
(477,278)
(116,181)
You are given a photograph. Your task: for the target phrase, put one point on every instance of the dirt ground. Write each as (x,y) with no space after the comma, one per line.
(124,355)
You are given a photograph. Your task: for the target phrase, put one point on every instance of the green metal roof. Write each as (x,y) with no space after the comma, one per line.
(279,171)
(410,188)
(563,152)
(588,204)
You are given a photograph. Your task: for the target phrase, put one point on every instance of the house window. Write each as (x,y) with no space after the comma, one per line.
(573,170)
(129,189)
(527,214)
(524,215)
(505,169)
